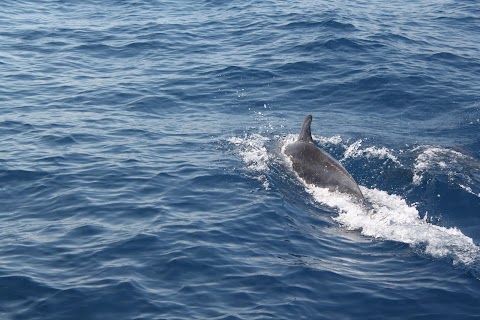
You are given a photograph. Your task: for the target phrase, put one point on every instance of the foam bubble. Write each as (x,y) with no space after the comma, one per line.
(469,190)
(391,218)
(355,151)
(336,140)
(459,168)
(433,157)
(253,151)
(254,154)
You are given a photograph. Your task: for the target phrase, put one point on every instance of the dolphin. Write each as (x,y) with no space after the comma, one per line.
(317,167)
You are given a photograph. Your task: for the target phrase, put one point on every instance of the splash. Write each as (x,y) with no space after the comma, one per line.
(355,151)
(254,154)
(460,169)
(335,140)
(253,151)
(391,218)
(433,157)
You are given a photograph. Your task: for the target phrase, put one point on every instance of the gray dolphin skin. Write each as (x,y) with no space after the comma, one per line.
(317,167)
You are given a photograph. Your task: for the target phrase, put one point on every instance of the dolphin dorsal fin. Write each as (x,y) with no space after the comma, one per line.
(306,132)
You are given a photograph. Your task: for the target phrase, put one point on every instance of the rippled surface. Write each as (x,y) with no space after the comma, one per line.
(142,173)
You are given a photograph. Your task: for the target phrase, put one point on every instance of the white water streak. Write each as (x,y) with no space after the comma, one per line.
(355,151)
(391,218)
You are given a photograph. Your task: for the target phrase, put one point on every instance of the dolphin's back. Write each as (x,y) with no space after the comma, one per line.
(317,167)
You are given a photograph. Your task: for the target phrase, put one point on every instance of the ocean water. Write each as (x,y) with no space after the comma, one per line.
(142,173)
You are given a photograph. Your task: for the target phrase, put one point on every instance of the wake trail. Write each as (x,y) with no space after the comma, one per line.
(387,217)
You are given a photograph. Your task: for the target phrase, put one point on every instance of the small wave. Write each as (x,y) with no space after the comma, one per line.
(338,25)
(460,169)
(152,104)
(235,73)
(55,140)
(144,45)
(94,47)
(341,44)
(458,61)
(330,24)
(12,126)
(123,50)
(444,55)
(299,66)
(7,176)
(355,151)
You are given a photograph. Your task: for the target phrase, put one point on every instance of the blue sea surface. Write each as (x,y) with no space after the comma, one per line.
(142,173)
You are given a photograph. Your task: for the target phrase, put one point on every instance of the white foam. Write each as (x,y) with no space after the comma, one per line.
(391,218)
(285,141)
(253,151)
(456,165)
(355,151)
(254,154)
(469,190)
(336,140)
(433,157)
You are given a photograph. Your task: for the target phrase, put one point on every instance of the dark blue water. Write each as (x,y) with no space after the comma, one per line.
(142,173)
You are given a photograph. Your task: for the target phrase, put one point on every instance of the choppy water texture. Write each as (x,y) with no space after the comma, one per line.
(142,173)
